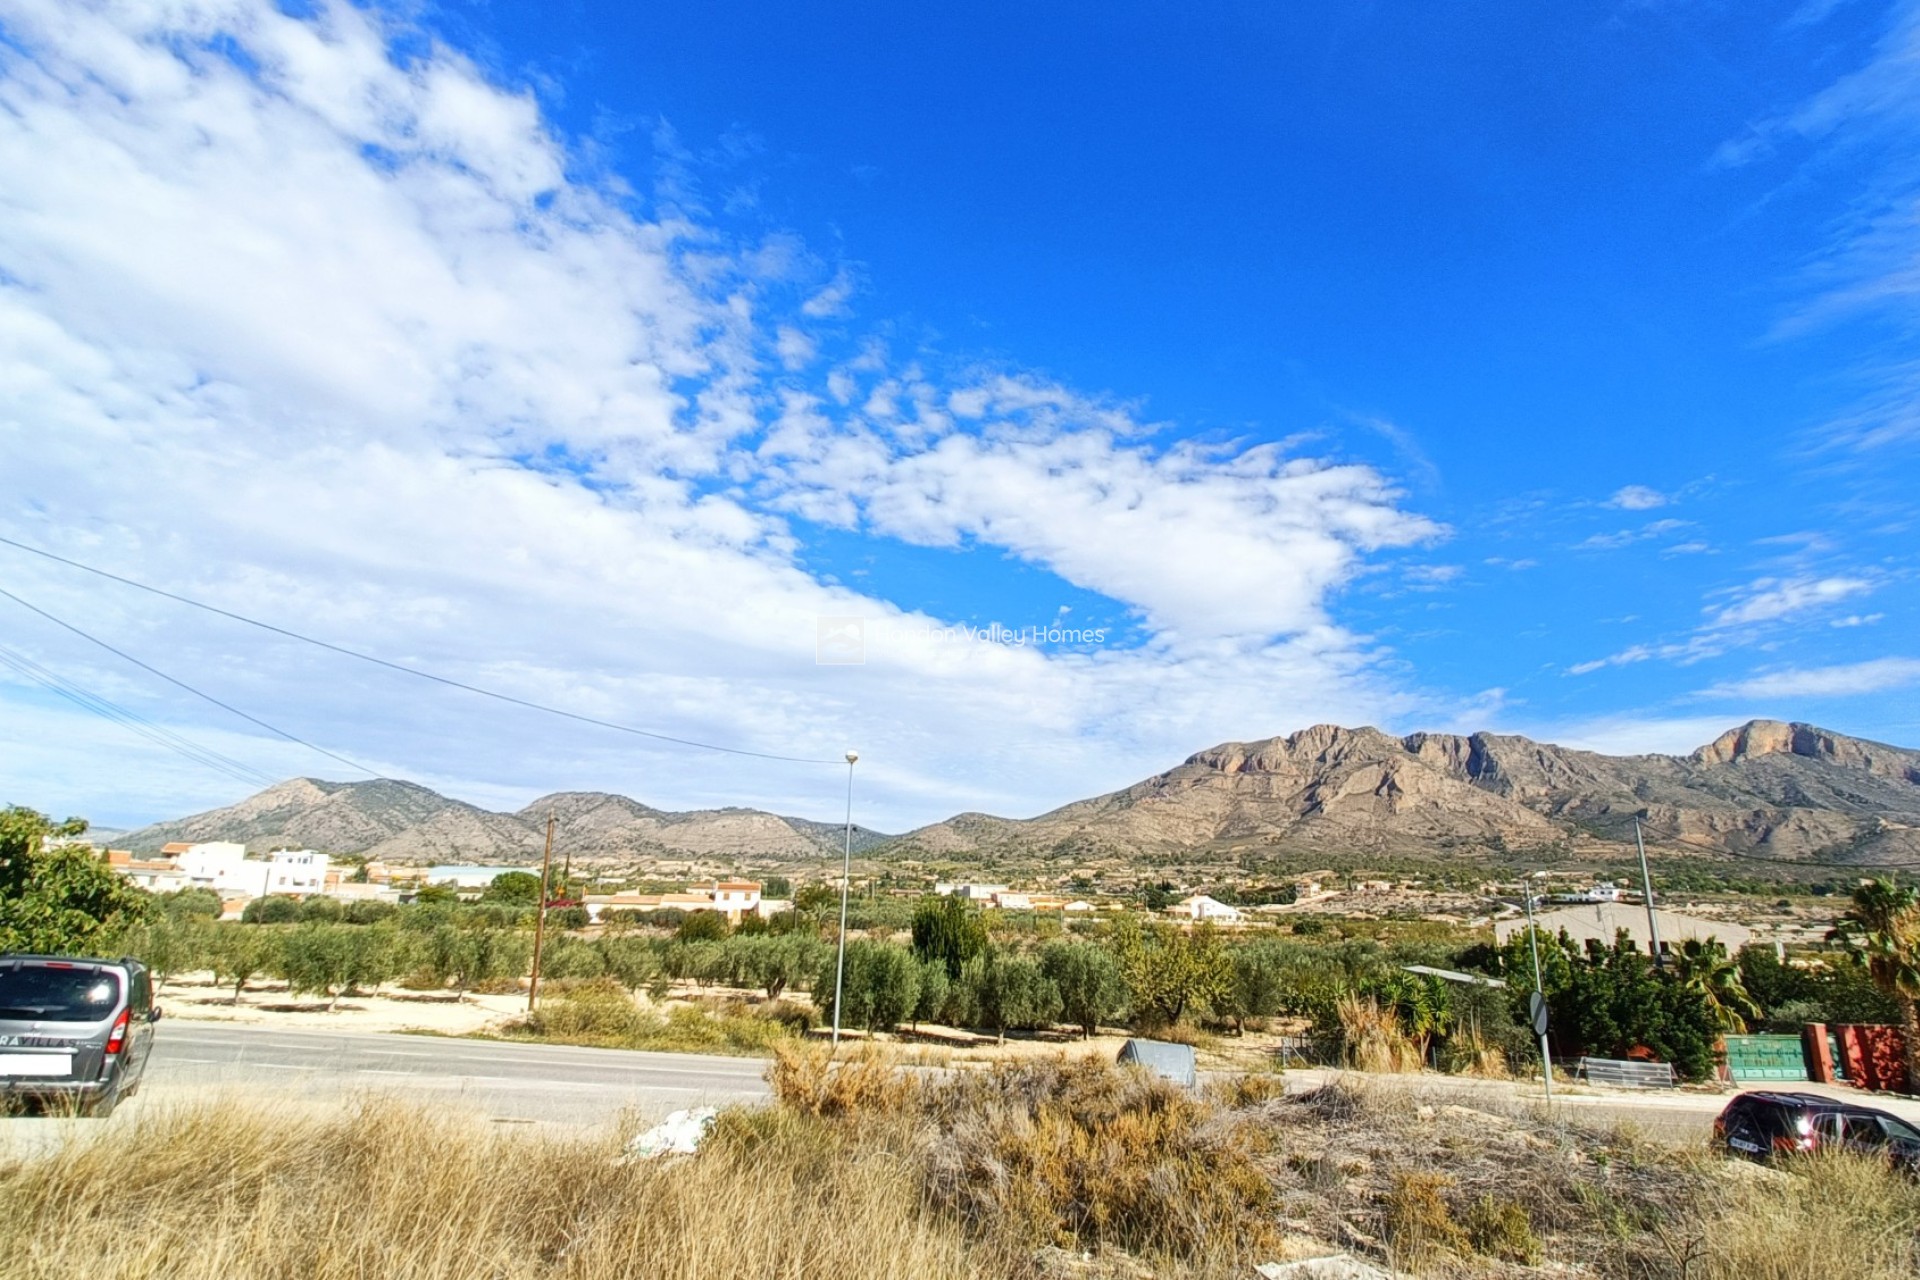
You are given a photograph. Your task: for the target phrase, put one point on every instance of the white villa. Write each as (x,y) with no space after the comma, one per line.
(1202,907)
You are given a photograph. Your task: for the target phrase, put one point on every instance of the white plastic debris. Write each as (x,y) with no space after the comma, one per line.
(678,1135)
(1337,1266)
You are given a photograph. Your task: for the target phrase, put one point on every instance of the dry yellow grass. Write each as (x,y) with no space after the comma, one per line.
(1372,1039)
(1006,1174)
(1833,1216)
(387,1192)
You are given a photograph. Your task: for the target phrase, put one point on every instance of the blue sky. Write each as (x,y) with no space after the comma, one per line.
(1540,370)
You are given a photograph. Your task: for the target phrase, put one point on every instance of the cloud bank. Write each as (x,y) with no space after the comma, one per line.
(311,318)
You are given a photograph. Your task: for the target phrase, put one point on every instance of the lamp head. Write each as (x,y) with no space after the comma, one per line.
(852,756)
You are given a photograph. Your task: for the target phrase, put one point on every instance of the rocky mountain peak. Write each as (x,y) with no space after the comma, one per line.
(1758,739)
(1754,738)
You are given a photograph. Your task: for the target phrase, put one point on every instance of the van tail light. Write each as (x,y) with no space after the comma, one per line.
(1800,1140)
(117,1038)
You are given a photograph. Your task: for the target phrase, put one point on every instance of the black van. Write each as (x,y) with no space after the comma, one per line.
(74,1032)
(1768,1123)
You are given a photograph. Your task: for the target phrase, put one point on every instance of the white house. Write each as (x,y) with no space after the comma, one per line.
(157,875)
(735,898)
(1201,907)
(297,871)
(971,892)
(464,877)
(732,898)
(223,866)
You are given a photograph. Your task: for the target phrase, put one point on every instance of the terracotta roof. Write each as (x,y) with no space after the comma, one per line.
(178,846)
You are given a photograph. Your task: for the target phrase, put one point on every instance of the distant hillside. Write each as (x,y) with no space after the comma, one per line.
(1767,789)
(408,822)
(1764,789)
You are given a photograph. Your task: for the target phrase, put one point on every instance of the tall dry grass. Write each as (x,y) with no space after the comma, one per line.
(1371,1037)
(395,1192)
(1831,1216)
(1006,1174)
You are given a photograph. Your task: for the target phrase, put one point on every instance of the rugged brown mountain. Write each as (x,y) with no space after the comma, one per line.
(1763,789)
(385,817)
(406,822)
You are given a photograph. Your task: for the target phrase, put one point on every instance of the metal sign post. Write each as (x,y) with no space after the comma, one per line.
(1537,1005)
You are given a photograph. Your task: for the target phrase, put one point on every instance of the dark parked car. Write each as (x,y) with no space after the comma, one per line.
(74,1032)
(1766,1124)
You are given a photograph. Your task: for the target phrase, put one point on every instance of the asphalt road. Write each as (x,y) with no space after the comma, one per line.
(554,1083)
(507,1083)
(564,1085)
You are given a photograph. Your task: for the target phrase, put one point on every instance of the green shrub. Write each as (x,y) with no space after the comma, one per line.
(1500,1229)
(703,926)
(277,908)
(599,1012)
(321,908)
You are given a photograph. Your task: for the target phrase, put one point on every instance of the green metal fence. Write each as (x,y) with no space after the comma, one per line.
(1766,1058)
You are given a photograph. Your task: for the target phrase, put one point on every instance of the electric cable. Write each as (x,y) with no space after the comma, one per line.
(181,684)
(109,710)
(416,672)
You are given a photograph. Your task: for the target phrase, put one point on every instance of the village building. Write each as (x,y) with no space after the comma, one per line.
(732,898)
(1602,921)
(1202,907)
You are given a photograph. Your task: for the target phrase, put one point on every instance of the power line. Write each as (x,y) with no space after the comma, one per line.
(1808,862)
(107,709)
(181,684)
(414,671)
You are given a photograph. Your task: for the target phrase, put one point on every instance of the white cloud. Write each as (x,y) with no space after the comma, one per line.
(1627,537)
(1754,609)
(339,342)
(1851,679)
(1870,264)
(1624,658)
(832,299)
(1857,620)
(1772,599)
(795,348)
(1628,734)
(1207,542)
(1638,497)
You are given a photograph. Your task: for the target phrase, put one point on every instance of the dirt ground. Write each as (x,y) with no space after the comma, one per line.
(194,997)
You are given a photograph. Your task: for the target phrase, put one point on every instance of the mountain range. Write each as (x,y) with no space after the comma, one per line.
(1765,789)
(404,822)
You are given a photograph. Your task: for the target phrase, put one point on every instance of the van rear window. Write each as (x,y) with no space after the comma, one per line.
(37,993)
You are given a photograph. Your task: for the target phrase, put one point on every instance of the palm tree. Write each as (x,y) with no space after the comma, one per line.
(1882,931)
(1703,965)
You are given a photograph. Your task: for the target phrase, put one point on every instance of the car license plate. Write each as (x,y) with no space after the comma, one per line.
(39,1066)
(1742,1144)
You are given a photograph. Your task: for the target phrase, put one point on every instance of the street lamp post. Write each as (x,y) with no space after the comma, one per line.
(846,882)
(1646,885)
(1539,994)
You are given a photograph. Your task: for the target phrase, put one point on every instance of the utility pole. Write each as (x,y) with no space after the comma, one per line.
(540,916)
(1646,883)
(846,881)
(1539,1010)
